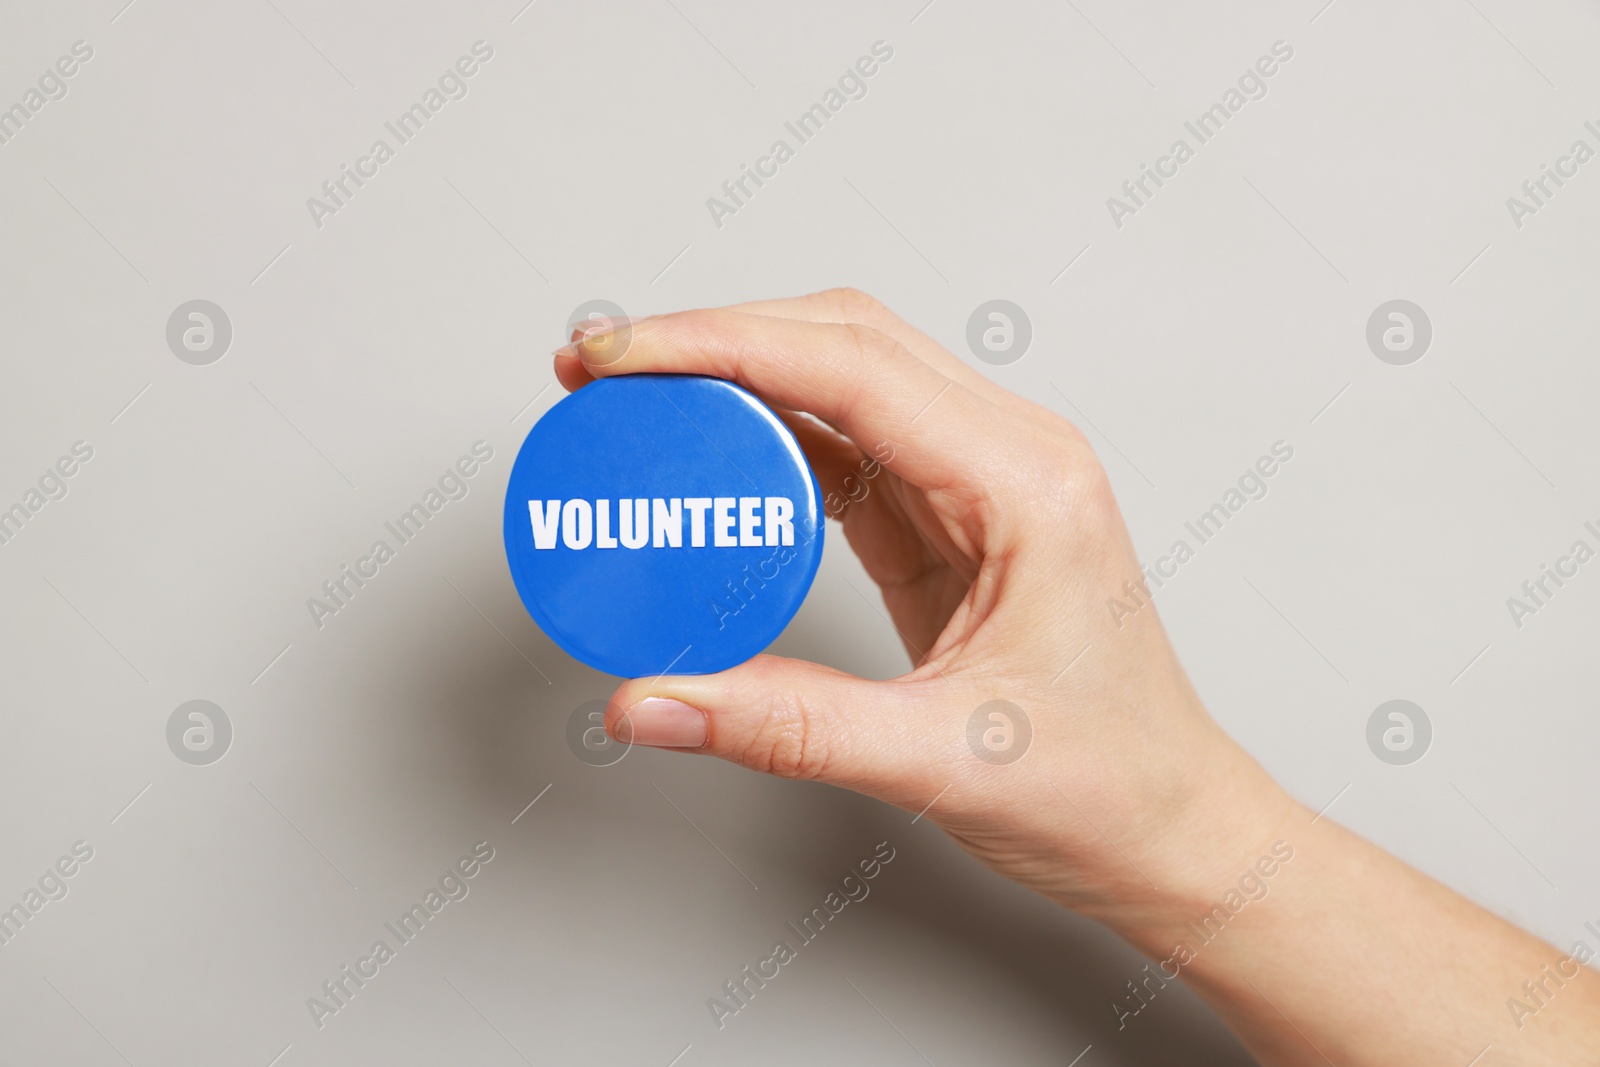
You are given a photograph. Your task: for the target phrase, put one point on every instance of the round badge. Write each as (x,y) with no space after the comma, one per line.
(662,524)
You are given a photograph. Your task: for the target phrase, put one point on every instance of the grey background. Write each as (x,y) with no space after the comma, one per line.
(367,355)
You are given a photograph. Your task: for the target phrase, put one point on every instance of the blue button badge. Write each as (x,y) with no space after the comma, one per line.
(662,524)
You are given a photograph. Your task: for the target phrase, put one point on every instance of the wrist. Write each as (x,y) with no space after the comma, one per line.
(1221,850)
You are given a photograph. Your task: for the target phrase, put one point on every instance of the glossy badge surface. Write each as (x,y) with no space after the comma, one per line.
(662,524)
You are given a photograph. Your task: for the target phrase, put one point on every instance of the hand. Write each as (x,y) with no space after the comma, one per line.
(993,536)
(992,533)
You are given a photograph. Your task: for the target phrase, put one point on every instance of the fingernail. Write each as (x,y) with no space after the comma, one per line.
(596,337)
(662,723)
(605,325)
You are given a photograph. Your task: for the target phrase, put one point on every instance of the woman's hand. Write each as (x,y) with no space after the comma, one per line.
(991,532)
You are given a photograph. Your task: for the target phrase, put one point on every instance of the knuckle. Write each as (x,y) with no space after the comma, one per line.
(696,326)
(875,372)
(868,342)
(853,305)
(788,740)
(1062,468)
(873,355)
(701,339)
(1078,481)
(1070,436)
(1088,486)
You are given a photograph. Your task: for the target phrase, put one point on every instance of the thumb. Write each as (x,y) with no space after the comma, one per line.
(790,718)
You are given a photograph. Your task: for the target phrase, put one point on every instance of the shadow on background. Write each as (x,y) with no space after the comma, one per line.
(634,849)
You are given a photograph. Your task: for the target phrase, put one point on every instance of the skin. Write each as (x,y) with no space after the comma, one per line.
(992,533)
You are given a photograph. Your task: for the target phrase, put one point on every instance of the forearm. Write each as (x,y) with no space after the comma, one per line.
(1353,958)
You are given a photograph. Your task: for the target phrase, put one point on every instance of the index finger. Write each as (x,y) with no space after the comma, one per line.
(854,376)
(852,305)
